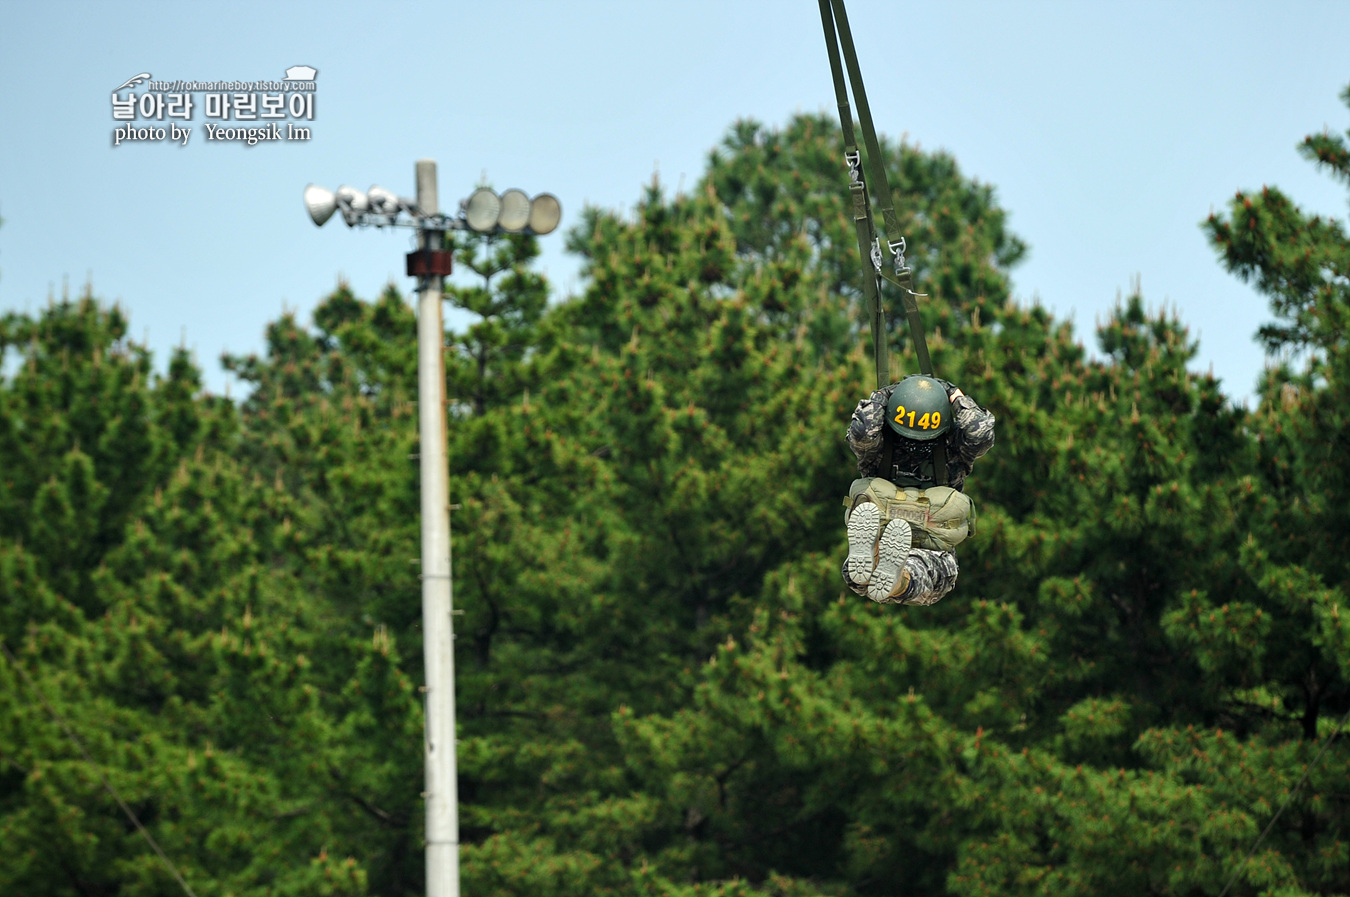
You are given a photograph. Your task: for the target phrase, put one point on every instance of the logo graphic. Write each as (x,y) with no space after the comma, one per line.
(298,73)
(143,76)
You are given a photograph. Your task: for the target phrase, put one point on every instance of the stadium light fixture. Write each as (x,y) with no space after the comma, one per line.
(320,203)
(545,214)
(382,201)
(515,214)
(483,212)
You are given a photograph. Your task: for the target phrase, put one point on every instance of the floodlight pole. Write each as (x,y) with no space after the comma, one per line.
(438,647)
(430,263)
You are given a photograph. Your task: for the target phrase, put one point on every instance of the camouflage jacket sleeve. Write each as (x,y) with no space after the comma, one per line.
(974,431)
(864,431)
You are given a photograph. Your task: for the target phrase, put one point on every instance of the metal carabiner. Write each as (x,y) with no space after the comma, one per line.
(898,250)
(854,162)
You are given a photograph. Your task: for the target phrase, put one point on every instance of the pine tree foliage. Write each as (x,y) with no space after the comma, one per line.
(150,602)
(663,687)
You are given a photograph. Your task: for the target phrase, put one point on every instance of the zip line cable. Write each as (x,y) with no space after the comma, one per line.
(1292,794)
(173,870)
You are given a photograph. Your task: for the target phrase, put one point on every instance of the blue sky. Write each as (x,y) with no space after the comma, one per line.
(1109,131)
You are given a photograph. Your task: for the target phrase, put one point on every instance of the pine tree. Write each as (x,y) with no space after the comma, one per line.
(143,598)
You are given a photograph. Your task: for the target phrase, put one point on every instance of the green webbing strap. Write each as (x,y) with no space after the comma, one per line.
(862,206)
(891,224)
(833,16)
(910,300)
(874,162)
(840,91)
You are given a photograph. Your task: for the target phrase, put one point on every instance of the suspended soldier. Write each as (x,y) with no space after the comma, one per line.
(903,525)
(918,439)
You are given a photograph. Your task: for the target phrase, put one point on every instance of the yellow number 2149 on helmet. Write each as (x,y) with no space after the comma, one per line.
(919,408)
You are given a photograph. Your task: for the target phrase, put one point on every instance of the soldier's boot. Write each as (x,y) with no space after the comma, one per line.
(890,574)
(864,526)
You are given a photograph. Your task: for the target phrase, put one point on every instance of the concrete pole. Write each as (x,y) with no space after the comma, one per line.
(442,788)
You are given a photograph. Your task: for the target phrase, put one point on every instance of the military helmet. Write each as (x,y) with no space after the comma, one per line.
(919,408)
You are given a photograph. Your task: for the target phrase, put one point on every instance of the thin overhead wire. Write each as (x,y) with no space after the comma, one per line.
(1292,794)
(168,864)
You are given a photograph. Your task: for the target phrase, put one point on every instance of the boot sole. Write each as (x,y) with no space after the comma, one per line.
(892,552)
(864,526)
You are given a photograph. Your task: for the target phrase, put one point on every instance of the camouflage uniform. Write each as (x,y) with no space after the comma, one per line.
(932,574)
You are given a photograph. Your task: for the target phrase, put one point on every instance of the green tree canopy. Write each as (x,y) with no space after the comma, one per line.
(664,687)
